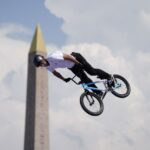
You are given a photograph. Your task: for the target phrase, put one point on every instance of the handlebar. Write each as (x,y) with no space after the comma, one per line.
(75,81)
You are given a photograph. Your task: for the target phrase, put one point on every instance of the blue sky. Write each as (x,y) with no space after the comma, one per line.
(29,14)
(113,36)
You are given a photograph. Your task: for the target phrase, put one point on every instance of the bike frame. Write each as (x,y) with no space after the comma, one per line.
(87,88)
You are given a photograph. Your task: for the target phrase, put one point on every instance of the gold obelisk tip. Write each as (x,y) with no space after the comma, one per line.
(38,44)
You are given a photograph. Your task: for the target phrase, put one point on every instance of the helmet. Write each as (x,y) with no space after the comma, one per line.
(37,60)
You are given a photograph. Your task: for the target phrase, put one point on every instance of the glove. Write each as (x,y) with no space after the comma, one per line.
(67,80)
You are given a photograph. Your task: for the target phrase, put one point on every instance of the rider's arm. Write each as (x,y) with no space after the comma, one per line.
(58,75)
(71,58)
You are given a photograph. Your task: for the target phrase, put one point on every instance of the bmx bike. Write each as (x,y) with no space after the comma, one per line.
(92,103)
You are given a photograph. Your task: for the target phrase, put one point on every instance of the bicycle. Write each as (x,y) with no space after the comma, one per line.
(92,103)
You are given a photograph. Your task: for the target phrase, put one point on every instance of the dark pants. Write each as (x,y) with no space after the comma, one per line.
(78,71)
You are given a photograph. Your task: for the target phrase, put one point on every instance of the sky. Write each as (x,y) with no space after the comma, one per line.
(112,35)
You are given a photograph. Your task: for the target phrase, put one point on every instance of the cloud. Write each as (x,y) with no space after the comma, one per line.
(13,59)
(145,17)
(124,123)
(116,24)
(13,53)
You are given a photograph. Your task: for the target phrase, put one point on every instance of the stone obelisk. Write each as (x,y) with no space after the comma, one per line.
(36,124)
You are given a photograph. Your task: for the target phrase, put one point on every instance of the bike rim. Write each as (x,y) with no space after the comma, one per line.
(91,104)
(120,87)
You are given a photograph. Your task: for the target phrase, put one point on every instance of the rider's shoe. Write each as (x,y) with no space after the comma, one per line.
(111,81)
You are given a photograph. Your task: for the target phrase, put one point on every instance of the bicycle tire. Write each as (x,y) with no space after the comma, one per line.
(96,98)
(126,83)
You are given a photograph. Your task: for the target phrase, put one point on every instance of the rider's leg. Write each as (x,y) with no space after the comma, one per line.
(83,77)
(89,69)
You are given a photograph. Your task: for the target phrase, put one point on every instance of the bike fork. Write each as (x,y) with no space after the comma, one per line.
(104,93)
(90,102)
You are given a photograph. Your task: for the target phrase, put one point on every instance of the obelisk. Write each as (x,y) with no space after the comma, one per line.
(36,124)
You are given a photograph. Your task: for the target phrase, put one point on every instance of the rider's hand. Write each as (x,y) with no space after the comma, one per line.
(67,79)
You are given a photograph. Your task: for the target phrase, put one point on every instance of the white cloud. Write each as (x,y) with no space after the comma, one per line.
(123,125)
(13,53)
(13,59)
(113,23)
(145,17)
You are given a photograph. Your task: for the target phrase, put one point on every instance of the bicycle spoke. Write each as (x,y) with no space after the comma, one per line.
(88,99)
(91,104)
(120,87)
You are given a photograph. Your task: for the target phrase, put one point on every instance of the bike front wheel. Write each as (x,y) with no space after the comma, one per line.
(91,103)
(122,87)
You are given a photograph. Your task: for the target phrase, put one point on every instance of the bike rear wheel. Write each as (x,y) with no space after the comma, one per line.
(91,103)
(122,87)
